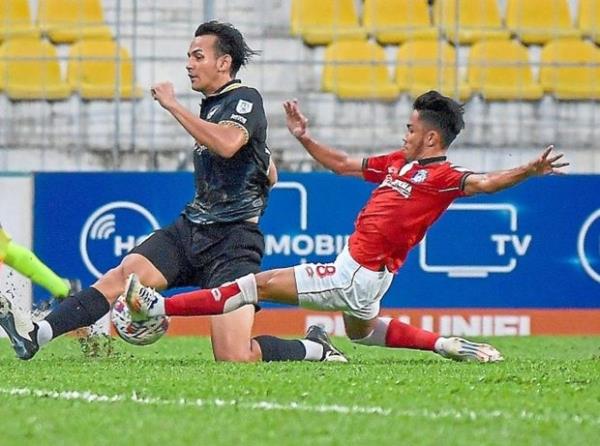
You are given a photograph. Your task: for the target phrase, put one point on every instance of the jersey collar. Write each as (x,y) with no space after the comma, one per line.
(231,85)
(433,159)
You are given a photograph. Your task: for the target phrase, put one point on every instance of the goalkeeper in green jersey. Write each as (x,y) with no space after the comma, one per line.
(26,262)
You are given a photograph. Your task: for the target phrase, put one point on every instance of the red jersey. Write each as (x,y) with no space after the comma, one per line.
(411,196)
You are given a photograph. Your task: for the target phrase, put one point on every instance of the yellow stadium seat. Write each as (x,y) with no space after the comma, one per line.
(570,69)
(15,20)
(29,69)
(320,22)
(588,19)
(477,20)
(357,70)
(393,21)
(66,21)
(92,71)
(500,70)
(538,21)
(423,65)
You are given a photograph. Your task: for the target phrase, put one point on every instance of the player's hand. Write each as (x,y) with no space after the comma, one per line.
(547,164)
(164,93)
(296,122)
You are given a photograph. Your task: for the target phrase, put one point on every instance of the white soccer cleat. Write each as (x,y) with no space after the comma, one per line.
(460,349)
(140,299)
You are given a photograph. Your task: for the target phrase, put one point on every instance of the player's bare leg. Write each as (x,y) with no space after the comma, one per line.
(231,336)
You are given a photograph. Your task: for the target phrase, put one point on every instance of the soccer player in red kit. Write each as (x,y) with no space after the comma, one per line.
(416,185)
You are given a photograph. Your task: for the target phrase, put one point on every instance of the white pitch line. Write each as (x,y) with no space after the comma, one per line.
(90,397)
(457,414)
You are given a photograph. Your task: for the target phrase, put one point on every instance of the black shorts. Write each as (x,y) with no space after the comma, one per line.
(188,254)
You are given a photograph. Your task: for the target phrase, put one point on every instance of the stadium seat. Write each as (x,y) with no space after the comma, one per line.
(394,21)
(66,21)
(538,21)
(320,22)
(588,19)
(570,69)
(92,71)
(29,70)
(478,19)
(357,70)
(423,65)
(500,70)
(15,20)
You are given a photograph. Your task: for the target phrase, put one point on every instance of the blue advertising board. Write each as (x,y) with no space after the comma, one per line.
(533,246)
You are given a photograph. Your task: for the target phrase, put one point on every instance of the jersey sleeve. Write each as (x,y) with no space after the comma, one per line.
(244,111)
(455,179)
(375,168)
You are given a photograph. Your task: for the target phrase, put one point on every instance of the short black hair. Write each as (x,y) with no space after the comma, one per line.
(442,112)
(229,41)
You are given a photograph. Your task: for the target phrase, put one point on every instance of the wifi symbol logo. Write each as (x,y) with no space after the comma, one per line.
(103,228)
(111,231)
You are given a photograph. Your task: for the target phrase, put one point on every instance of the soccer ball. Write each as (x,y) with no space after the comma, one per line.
(137,333)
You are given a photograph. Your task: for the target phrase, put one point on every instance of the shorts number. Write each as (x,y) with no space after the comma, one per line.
(325,270)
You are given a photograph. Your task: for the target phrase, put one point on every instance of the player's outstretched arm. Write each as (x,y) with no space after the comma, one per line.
(223,140)
(335,160)
(547,163)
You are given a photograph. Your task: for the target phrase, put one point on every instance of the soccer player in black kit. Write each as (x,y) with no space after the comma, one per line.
(216,238)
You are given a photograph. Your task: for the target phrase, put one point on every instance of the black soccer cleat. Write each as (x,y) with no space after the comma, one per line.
(316,333)
(19,327)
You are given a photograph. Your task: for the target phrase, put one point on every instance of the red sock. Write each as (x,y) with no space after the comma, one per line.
(401,335)
(201,302)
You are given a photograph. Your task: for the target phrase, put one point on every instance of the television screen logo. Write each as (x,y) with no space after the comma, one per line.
(474,240)
(111,232)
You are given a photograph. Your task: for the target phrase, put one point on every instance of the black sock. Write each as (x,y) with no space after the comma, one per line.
(276,349)
(77,311)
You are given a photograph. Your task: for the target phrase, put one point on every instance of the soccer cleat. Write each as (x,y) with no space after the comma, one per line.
(460,349)
(140,299)
(20,329)
(316,333)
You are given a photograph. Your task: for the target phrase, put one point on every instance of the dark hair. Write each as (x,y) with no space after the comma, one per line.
(229,41)
(442,112)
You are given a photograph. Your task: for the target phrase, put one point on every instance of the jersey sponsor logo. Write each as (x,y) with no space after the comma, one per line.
(402,187)
(420,176)
(238,118)
(212,111)
(243,107)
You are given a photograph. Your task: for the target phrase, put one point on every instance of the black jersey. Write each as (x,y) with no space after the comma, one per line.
(232,189)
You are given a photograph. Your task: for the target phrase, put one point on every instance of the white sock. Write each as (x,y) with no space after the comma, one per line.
(314,350)
(248,288)
(158,309)
(44,334)
(439,344)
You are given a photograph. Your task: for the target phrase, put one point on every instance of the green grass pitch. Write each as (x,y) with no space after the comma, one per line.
(547,392)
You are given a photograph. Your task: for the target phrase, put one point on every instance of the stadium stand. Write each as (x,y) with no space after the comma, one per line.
(320,22)
(101,69)
(66,21)
(570,69)
(468,21)
(500,70)
(588,19)
(396,21)
(15,20)
(422,65)
(357,70)
(29,70)
(538,21)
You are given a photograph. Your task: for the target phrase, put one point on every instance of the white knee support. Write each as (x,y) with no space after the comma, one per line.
(377,336)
